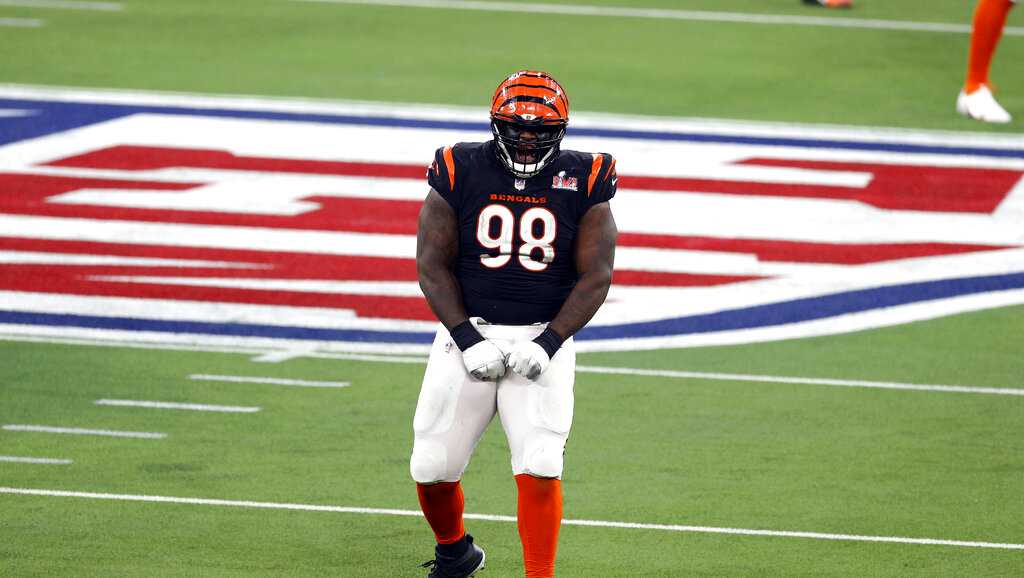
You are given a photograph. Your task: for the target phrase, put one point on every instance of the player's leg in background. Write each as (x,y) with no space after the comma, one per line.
(976,99)
(537,417)
(452,413)
(830,3)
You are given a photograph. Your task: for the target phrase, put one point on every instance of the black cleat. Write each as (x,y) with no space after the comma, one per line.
(462,567)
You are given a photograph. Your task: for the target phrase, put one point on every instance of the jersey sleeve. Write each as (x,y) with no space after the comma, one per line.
(441,175)
(602,181)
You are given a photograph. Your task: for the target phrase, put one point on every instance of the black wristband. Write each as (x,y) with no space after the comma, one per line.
(549,341)
(465,335)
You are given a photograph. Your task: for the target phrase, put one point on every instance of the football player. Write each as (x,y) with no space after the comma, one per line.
(830,3)
(514,252)
(976,100)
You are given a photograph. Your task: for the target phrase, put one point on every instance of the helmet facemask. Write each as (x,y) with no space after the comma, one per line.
(526,148)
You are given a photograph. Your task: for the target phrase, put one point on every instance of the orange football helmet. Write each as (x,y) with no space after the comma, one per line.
(529,114)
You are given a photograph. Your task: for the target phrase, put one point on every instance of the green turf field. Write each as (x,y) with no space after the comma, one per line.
(650,450)
(719,453)
(644,66)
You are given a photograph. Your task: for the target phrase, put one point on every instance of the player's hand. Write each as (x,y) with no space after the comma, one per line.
(484,361)
(528,359)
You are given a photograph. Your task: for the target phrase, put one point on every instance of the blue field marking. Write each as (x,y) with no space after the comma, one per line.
(52,117)
(769,315)
(207,328)
(811,308)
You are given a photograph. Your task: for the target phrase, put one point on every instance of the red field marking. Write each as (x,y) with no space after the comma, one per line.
(141,158)
(896,187)
(919,188)
(75,280)
(281,265)
(660,279)
(28,194)
(804,252)
(273,264)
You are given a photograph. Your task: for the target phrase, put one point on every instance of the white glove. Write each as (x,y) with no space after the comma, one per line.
(484,361)
(528,359)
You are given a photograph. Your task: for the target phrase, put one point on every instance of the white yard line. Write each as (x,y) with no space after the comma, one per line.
(84,432)
(22,22)
(269,380)
(182,406)
(374,358)
(24,460)
(494,518)
(801,380)
(669,14)
(421,111)
(65,5)
(269,352)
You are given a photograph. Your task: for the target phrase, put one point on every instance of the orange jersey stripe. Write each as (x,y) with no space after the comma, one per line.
(594,170)
(449,161)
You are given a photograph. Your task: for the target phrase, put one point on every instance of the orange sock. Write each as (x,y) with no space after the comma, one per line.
(989,19)
(442,506)
(540,516)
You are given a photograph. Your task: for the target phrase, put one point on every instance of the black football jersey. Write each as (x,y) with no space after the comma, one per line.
(515,264)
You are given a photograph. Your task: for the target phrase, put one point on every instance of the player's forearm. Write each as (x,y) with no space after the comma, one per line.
(443,295)
(584,301)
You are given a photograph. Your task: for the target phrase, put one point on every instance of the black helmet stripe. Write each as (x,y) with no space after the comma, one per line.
(561,95)
(536,99)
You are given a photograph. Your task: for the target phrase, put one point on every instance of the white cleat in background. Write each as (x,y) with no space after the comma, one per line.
(981,105)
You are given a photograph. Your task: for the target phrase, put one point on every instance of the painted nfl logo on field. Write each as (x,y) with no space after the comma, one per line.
(291,224)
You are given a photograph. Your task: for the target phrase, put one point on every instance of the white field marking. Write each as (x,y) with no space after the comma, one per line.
(848,323)
(668,14)
(916,227)
(284,355)
(16,113)
(84,432)
(389,288)
(322,242)
(24,460)
(269,380)
(868,320)
(21,22)
(181,406)
(416,360)
(315,351)
(498,518)
(699,214)
(223,185)
(661,301)
(183,310)
(479,114)
(800,380)
(43,258)
(375,358)
(200,342)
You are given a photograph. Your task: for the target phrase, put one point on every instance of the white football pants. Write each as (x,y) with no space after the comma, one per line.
(454,409)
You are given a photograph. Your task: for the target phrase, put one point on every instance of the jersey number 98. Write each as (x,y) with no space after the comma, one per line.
(531,243)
